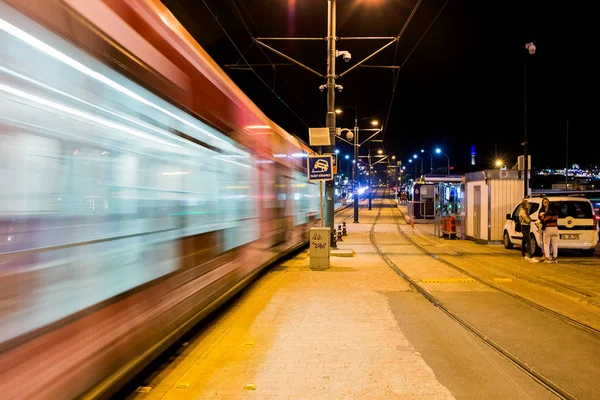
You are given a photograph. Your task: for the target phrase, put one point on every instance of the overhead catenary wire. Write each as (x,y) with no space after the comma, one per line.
(404,62)
(249,66)
(395,74)
(234,6)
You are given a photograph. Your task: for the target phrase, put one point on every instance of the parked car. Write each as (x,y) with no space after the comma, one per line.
(577,224)
(596,204)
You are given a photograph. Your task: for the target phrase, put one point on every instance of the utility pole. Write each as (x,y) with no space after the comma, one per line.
(331,54)
(525,166)
(530,47)
(354,166)
(331,86)
(567,157)
(370,178)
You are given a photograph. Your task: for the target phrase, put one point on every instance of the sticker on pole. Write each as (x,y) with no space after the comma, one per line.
(320,168)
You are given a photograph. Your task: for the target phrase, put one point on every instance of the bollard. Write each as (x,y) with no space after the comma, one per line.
(334,239)
(344,233)
(339,234)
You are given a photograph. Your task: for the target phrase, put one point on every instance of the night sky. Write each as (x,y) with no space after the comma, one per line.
(462,86)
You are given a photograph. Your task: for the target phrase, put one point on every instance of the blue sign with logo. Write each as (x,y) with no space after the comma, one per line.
(320,168)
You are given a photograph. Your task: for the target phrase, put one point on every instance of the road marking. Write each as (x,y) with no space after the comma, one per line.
(448,280)
(502,280)
(183,386)
(250,386)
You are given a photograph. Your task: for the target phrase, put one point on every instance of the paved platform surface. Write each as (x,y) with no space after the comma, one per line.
(358,331)
(303,334)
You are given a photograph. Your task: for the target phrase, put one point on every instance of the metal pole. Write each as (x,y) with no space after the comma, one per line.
(329,187)
(431,163)
(354,171)
(370,179)
(525,166)
(567,157)
(321,197)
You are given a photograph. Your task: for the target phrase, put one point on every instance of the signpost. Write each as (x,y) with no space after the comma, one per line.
(320,168)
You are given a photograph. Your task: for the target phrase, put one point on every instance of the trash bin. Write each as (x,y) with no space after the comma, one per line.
(319,248)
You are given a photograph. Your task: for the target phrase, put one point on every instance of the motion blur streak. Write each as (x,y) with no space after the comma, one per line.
(130,206)
(32,41)
(77,113)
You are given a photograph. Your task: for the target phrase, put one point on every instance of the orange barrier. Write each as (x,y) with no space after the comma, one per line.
(449,226)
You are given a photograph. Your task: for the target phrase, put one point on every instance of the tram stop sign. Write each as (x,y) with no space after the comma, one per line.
(320,168)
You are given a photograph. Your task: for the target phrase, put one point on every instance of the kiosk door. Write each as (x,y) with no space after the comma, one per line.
(477,213)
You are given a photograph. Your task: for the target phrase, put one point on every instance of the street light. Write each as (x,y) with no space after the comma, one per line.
(430,160)
(353,136)
(439,151)
(416,157)
(530,47)
(499,163)
(379,151)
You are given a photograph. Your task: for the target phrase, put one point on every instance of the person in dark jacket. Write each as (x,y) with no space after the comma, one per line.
(525,221)
(540,225)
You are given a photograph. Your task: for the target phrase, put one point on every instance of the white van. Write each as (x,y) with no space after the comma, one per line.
(577,226)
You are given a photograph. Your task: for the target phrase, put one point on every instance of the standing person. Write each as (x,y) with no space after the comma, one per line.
(525,221)
(550,223)
(542,227)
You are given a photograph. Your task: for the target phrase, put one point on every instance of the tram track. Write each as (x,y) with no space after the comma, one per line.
(510,356)
(560,316)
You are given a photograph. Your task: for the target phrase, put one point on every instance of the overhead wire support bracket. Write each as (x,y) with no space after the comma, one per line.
(257,65)
(381,66)
(372,136)
(288,58)
(291,38)
(369,57)
(368,38)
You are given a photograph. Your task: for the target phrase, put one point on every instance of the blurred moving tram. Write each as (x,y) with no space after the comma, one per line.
(140,189)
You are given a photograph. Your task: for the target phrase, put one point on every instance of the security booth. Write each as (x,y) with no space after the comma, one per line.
(489,196)
(422,205)
(436,196)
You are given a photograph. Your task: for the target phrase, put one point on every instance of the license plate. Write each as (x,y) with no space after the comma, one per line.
(569,237)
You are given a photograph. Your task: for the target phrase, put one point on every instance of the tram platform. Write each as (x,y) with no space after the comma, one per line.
(358,331)
(303,334)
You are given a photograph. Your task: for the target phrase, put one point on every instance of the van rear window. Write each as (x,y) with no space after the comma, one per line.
(575,209)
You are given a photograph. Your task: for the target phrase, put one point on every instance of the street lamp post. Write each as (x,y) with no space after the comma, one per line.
(416,157)
(530,47)
(331,54)
(430,160)
(356,145)
(355,163)
(370,178)
(330,86)
(439,151)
